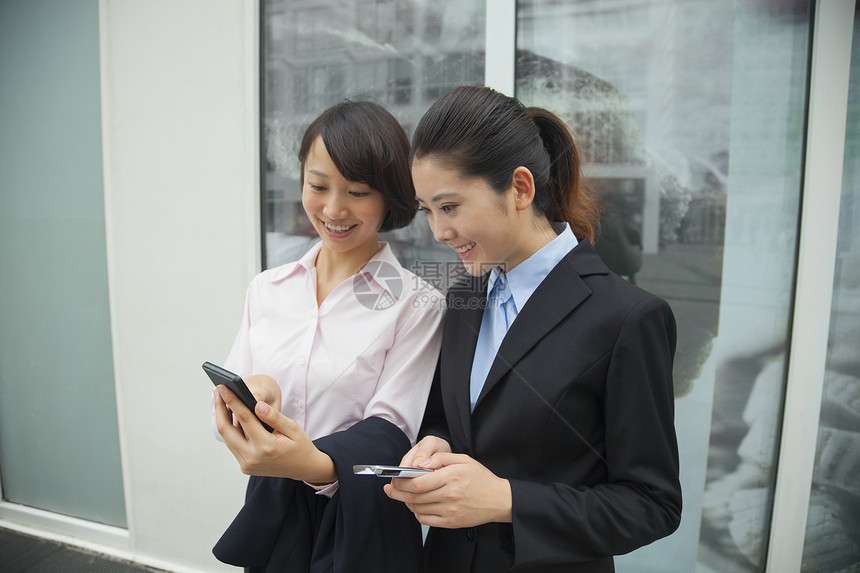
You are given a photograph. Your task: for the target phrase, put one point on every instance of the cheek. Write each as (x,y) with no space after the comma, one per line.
(490,240)
(376,213)
(310,203)
(429,223)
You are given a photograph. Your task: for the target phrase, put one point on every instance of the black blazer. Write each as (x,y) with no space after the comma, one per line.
(577,412)
(286,527)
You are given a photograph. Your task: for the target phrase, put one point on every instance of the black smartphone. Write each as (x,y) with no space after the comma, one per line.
(236,385)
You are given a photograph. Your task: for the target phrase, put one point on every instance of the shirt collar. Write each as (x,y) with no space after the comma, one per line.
(380,267)
(524,278)
(305,263)
(383,257)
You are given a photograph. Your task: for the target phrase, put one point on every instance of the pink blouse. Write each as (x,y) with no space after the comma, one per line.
(369,349)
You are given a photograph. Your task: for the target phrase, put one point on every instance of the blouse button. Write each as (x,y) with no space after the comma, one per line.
(302,361)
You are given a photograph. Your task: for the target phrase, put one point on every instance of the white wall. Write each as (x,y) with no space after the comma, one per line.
(179,85)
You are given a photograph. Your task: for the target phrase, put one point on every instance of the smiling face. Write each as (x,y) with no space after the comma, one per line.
(485,228)
(346,215)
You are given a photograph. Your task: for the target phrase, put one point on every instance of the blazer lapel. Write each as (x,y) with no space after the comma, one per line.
(466,341)
(557,296)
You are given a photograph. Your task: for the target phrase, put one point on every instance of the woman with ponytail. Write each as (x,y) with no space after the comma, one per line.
(549,425)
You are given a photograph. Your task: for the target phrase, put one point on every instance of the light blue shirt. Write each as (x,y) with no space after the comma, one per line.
(512,290)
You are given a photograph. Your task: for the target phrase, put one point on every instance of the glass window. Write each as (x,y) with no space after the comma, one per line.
(402,54)
(690,116)
(59,444)
(832,541)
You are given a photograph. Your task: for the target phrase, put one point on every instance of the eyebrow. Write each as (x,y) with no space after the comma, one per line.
(317,173)
(440,197)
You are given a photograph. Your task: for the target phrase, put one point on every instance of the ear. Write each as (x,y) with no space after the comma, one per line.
(523,183)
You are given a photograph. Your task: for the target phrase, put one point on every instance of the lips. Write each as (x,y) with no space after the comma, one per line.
(337,230)
(464,250)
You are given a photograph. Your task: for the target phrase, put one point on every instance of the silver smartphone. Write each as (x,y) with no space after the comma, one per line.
(390,471)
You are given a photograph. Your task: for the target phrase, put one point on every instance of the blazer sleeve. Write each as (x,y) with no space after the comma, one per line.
(641,499)
(284,525)
(369,527)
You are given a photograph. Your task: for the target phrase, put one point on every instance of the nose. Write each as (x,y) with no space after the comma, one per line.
(335,207)
(441,232)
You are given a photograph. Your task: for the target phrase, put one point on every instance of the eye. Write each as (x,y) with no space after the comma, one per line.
(359,193)
(447,208)
(316,187)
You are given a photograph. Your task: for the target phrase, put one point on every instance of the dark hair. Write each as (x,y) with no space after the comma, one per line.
(483,133)
(367,145)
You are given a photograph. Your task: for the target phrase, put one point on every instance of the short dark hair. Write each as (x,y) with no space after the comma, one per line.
(480,132)
(367,145)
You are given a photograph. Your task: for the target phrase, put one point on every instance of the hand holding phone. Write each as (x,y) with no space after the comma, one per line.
(234,382)
(390,471)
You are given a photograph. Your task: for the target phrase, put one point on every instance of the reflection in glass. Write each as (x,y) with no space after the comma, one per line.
(690,118)
(832,541)
(402,54)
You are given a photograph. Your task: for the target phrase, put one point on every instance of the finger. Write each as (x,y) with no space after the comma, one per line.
(432,520)
(399,494)
(223,415)
(408,458)
(233,436)
(444,459)
(425,449)
(424,489)
(400,490)
(264,388)
(281,424)
(245,417)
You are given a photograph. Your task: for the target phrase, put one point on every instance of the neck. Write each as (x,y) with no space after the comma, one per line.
(543,235)
(536,237)
(334,266)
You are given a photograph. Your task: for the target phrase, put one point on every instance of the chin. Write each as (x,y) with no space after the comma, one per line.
(476,268)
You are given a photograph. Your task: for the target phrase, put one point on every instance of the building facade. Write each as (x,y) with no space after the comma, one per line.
(148,171)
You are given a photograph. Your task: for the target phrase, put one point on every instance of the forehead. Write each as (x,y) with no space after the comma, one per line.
(436,181)
(319,163)
(318,154)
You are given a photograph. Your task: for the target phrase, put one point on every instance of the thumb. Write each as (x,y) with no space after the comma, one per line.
(422,452)
(276,420)
(442,459)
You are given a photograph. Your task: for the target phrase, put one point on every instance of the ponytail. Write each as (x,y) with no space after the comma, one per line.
(483,133)
(566,196)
